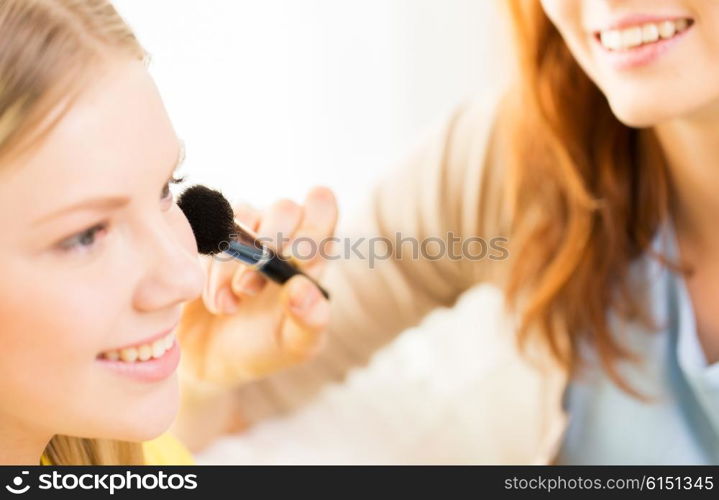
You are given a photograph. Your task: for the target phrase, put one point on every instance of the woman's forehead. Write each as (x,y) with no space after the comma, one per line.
(107,140)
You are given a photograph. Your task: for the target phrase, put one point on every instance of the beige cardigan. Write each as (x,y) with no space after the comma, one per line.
(451,184)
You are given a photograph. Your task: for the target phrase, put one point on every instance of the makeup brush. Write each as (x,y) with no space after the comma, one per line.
(216,230)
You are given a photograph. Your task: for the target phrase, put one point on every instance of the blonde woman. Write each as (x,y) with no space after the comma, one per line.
(599,167)
(97,259)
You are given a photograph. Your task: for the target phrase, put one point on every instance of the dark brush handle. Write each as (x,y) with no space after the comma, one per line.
(280,270)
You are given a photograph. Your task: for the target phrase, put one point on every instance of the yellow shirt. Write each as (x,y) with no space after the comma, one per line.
(165,449)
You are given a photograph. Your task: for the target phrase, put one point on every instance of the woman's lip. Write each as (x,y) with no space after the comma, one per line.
(642,54)
(152,370)
(637,20)
(147,340)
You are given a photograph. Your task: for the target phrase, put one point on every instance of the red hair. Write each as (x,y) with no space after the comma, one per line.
(588,194)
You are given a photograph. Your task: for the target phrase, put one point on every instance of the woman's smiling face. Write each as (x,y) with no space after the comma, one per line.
(653,59)
(94,256)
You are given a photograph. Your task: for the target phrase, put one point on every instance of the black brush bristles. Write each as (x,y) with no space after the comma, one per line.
(210,216)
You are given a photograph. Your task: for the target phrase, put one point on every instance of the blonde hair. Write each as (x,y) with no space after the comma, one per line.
(48,51)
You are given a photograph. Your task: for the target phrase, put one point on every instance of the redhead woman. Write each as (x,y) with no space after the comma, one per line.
(98,261)
(599,168)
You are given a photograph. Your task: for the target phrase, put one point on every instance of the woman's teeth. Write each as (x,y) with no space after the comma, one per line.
(142,352)
(634,36)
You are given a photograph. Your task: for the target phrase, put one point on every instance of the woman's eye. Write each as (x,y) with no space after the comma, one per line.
(84,240)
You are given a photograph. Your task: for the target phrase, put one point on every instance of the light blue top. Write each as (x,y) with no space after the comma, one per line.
(681,424)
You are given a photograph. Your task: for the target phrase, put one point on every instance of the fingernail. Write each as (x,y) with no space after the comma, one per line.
(226,301)
(249,283)
(319,314)
(303,296)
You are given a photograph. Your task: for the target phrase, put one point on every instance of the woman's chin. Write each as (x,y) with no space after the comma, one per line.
(150,430)
(636,116)
(141,431)
(146,419)
(641,111)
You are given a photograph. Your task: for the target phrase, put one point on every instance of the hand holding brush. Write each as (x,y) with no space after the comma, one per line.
(261,311)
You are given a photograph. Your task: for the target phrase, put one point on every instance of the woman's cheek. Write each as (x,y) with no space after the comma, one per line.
(566,15)
(181,227)
(48,345)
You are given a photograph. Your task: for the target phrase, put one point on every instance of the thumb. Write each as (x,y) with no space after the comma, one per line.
(308,316)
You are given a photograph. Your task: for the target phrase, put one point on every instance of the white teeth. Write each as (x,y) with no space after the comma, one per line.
(611,39)
(631,37)
(158,348)
(634,36)
(650,33)
(142,352)
(128,355)
(667,29)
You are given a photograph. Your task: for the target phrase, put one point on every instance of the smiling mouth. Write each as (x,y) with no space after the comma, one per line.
(639,35)
(142,352)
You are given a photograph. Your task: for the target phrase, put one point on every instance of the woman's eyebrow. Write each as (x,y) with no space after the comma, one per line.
(107,202)
(100,203)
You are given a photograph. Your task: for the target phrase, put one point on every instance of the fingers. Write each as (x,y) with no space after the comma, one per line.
(275,229)
(308,228)
(312,238)
(218,294)
(280,223)
(247,215)
(308,316)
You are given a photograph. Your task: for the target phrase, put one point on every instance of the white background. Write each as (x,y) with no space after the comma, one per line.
(275,96)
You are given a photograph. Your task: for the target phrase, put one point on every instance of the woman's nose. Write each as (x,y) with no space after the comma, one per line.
(173,271)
